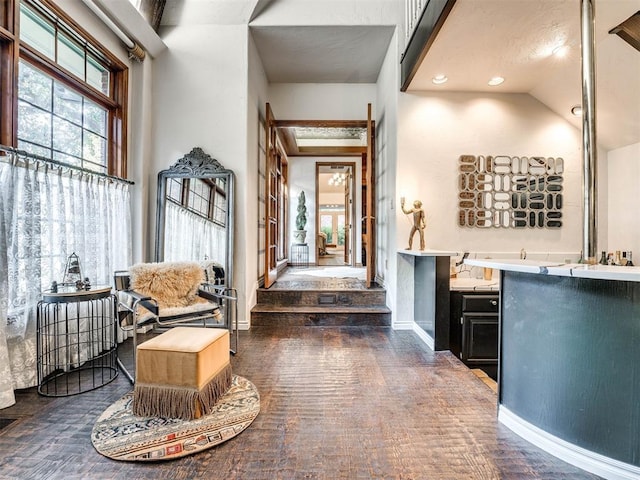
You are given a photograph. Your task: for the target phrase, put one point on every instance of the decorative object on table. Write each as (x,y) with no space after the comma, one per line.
(300,234)
(419,222)
(120,435)
(510,192)
(73,274)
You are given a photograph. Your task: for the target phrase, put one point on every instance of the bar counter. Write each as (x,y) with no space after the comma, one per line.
(569,361)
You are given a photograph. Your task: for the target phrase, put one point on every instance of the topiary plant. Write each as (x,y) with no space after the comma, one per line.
(301,218)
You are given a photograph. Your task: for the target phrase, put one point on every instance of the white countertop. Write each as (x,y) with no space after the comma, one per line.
(428,253)
(467,284)
(602,272)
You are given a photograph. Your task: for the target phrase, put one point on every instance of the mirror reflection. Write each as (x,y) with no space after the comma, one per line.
(194,219)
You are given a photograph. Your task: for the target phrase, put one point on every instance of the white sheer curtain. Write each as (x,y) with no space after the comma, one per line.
(45,215)
(205,240)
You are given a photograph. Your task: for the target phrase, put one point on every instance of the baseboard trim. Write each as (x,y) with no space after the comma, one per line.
(585,459)
(424,337)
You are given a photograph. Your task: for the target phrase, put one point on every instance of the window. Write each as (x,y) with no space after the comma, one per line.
(71,93)
(205,198)
(58,123)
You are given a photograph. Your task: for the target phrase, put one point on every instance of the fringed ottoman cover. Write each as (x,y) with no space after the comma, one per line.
(182,373)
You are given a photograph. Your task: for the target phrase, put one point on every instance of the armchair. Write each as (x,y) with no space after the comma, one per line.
(322,243)
(170,293)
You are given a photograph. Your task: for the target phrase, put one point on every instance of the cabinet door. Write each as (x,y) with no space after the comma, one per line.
(479,337)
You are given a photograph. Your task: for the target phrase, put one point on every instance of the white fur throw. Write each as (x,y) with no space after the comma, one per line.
(171,284)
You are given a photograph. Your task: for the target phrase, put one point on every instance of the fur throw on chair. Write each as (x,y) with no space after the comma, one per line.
(172,284)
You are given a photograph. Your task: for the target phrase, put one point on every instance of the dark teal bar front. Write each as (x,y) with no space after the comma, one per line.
(570,359)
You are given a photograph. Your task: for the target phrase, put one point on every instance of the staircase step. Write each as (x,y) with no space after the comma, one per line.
(322,297)
(315,316)
(330,309)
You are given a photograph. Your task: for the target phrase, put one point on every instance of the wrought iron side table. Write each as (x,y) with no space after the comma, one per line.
(76,340)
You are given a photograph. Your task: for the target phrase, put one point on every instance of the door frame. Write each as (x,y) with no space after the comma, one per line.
(354,203)
(285,136)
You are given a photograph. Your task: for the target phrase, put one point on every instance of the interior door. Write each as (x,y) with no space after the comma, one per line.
(369,223)
(348,218)
(271,201)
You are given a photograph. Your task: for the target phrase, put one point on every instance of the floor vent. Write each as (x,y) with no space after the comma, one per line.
(326,299)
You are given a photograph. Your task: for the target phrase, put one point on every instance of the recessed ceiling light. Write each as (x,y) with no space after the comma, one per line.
(439,79)
(576,110)
(560,51)
(496,81)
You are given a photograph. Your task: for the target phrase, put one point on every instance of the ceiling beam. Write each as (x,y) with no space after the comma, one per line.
(322,123)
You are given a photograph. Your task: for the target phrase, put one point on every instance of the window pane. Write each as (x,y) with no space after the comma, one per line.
(35,31)
(219,214)
(67,137)
(174,189)
(67,103)
(34,149)
(63,157)
(95,149)
(34,87)
(95,118)
(97,75)
(34,125)
(70,55)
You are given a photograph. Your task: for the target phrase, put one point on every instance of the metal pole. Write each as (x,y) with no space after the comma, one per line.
(589,149)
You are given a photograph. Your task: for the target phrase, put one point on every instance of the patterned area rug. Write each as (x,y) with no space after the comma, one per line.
(120,435)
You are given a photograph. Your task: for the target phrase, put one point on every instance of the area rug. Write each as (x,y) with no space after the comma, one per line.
(333,272)
(120,435)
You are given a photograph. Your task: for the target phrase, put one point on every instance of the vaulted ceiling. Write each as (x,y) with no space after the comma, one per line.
(480,39)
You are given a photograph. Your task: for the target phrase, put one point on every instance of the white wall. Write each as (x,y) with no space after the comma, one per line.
(314,101)
(386,118)
(436,128)
(254,215)
(624,196)
(200,93)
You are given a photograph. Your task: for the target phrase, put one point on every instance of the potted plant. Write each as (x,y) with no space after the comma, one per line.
(300,234)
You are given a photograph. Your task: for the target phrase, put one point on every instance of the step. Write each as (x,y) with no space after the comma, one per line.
(265,315)
(322,297)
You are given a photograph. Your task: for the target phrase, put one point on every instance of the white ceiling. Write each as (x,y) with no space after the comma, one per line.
(322,54)
(480,39)
(514,39)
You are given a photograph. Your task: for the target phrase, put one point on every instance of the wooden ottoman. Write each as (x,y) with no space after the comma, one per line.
(181,373)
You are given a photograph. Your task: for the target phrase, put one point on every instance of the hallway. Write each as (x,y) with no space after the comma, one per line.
(336,403)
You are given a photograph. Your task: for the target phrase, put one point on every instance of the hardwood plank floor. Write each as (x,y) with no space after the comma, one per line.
(336,403)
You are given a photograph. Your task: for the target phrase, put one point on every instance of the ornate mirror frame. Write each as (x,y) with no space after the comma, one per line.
(197,164)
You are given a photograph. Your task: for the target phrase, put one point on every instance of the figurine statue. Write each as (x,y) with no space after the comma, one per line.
(419,222)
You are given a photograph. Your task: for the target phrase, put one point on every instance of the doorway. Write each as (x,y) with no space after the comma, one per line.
(323,139)
(336,207)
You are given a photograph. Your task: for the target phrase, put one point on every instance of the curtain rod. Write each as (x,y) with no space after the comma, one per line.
(135,51)
(38,158)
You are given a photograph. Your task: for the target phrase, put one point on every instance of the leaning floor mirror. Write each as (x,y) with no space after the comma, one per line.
(195,214)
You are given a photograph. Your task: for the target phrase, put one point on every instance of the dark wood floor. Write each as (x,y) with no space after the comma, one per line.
(337,403)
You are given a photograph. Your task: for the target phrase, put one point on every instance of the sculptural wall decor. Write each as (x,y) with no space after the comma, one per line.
(510,192)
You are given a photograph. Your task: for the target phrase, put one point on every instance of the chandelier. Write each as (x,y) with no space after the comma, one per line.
(337,179)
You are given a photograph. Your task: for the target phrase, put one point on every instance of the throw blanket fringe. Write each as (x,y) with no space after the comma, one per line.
(176,402)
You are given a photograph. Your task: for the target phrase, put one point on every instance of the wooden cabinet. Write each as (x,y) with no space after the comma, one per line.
(473,333)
